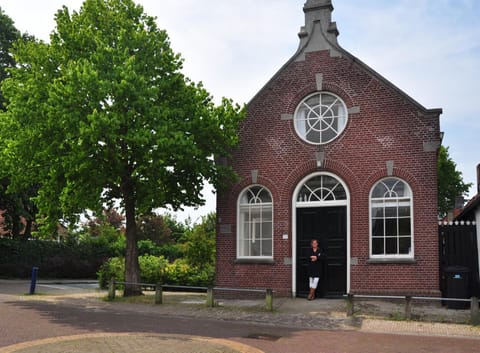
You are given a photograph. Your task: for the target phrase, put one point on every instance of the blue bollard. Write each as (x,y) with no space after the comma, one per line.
(33,282)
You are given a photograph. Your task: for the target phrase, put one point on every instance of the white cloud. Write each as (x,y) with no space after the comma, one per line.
(234,47)
(428,48)
(431,50)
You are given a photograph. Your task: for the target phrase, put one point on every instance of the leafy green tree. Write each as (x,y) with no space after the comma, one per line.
(19,209)
(103,113)
(153,227)
(199,242)
(109,217)
(177,228)
(450,182)
(8,35)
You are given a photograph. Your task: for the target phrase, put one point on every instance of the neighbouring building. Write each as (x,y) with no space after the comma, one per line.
(470,213)
(332,150)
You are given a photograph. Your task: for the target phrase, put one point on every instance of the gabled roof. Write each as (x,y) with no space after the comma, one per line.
(320,33)
(470,207)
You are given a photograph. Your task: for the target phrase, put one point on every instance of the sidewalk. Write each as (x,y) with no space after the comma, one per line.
(20,286)
(183,324)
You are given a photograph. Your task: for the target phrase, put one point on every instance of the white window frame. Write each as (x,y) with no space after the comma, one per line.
(322,118)
(323,194)
(260,206)
(411,254)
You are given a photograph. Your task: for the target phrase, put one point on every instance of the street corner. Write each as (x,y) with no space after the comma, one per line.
(131,343)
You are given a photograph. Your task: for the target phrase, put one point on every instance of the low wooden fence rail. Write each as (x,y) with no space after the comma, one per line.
(210,301)
(350,298)
(474,306)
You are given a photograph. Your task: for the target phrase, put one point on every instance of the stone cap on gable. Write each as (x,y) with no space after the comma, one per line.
(320,33)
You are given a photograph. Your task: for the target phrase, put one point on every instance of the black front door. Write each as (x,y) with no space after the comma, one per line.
(329,226)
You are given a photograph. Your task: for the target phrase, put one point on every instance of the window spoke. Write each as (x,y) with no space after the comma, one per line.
(312,110)
(329,107)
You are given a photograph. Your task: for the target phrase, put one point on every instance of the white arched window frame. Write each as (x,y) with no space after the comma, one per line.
(320,118)
(255,223)
(321,189)
(391,220)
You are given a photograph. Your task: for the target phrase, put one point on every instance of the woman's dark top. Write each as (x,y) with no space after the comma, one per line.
(314,267)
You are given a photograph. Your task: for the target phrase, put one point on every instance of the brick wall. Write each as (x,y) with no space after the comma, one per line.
(388,127)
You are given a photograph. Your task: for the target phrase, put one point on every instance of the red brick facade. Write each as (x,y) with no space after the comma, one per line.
(384,124)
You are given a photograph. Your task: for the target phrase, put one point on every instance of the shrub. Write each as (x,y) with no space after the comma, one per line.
(199,242)
(172,251)
(148,247)
(180,272)
(152,268)
(157,269)
(113,268)
(168,251)
(118,247)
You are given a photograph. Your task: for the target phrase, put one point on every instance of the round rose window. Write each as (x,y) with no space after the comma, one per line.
(320,118)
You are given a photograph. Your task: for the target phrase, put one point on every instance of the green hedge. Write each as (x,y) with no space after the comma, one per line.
(92,256)
(55,260)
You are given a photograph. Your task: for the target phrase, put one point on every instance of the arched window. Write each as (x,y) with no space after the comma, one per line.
(255,223)
(391,222)
(322,188)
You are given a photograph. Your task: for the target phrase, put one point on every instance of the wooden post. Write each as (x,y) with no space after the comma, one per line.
(210,298)
(350,307)
(111,289)
(408,307)
(269,299)
(158,294)
(474,312)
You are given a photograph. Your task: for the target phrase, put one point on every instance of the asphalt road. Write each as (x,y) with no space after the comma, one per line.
(24,318)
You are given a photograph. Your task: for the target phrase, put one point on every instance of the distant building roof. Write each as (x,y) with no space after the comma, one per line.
(467,213)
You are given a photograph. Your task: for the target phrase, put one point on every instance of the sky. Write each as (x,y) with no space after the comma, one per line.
(428,48)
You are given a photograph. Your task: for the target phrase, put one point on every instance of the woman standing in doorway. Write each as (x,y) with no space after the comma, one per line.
(314,268)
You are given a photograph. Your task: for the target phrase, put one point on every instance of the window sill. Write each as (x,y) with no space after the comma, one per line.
(255,261)
(392,261)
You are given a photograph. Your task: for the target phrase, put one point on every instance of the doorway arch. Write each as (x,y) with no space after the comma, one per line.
(321,204)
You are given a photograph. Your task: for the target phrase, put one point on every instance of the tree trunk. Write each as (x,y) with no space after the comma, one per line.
(16,226)
(132,268)
(28,229)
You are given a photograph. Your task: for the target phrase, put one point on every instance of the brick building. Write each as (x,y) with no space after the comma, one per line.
(332,150)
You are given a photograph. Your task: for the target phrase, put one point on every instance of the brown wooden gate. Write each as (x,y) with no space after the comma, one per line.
(459,253)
